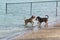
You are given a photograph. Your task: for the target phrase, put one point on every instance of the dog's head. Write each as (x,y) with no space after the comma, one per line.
(37,18)
(32,17)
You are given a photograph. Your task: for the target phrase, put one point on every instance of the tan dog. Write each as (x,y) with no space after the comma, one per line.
(30,20)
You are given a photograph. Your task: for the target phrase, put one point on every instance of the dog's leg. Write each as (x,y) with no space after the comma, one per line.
(32,23)
(46,24)
(25,24)
(39,24)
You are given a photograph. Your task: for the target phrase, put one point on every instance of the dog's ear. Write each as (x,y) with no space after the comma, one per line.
(38,17)
(32,16)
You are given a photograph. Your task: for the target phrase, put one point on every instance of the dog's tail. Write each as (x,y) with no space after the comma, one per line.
(47,16)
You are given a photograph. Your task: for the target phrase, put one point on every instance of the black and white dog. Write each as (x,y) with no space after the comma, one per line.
(40,20)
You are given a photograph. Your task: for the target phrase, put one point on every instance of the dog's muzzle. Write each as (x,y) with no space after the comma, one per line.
(36,19)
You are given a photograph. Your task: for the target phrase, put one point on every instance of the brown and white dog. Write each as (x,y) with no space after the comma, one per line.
(30,20)
(40,20)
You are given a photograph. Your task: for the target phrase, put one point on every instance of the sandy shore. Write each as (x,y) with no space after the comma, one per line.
(41,34)
(52,33)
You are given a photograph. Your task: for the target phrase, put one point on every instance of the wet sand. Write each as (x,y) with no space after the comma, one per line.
(42,39)
(42,34)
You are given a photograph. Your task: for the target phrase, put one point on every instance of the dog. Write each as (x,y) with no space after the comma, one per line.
(40,20)
(30,20)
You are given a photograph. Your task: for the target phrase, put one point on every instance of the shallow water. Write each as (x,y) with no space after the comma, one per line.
(14,27)
(13,22)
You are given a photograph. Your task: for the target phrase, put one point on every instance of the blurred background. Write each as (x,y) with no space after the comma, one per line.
(13,12)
